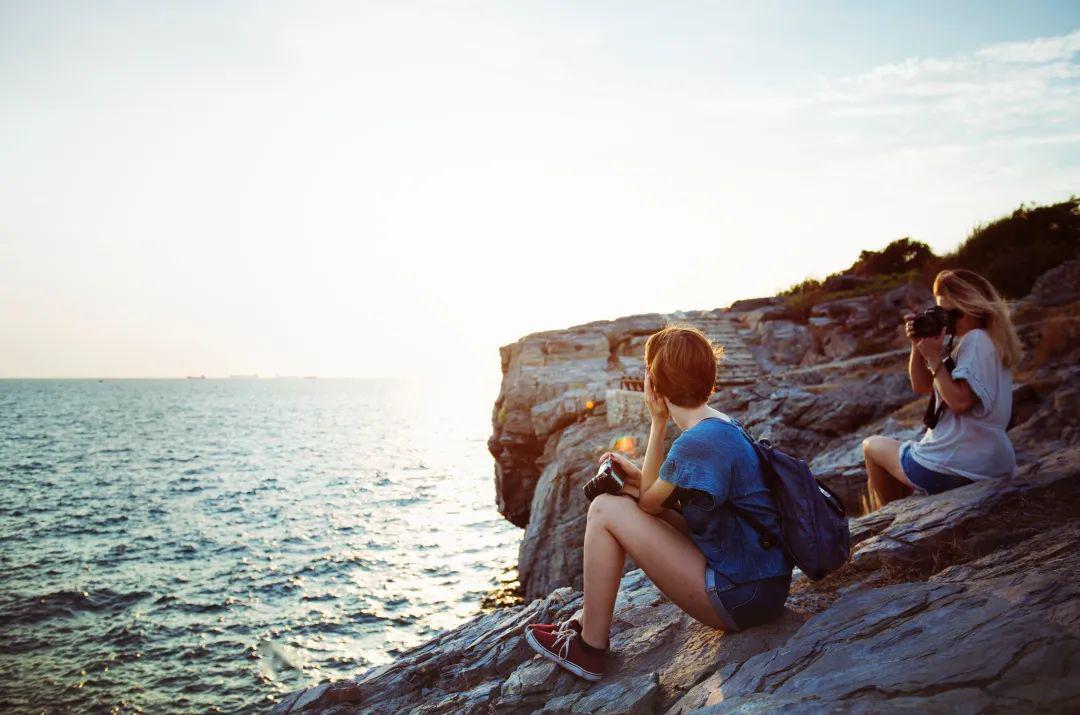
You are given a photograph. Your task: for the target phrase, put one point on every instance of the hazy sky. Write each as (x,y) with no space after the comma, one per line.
(370,188)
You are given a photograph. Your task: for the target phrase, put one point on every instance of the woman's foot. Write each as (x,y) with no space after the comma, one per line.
(567,648)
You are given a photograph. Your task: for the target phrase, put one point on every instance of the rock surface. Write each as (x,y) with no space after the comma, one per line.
(1000,633)
(1058,286)
(940,608)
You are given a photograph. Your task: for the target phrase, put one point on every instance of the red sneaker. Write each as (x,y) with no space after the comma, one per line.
(564,646)
(549,627)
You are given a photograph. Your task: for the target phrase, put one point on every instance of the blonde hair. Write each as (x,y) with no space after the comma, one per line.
(976,296)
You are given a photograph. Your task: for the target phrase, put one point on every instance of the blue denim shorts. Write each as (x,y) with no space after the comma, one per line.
(741,605)
(927,480)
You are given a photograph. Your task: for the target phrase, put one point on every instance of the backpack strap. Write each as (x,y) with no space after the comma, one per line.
(768,538)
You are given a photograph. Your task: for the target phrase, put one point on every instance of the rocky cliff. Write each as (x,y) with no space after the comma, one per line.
(966,599)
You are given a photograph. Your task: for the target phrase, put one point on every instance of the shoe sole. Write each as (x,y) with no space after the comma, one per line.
(575,669)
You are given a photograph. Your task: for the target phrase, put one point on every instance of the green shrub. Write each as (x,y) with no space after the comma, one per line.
(800,304)
(1012,252)
(900,256)
(807,286)
(1015,250)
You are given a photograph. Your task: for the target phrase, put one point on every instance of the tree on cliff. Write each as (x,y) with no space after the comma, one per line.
(900,256)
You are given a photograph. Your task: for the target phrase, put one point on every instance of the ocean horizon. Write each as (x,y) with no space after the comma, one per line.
(208,545)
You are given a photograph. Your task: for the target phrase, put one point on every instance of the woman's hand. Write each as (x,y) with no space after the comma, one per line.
(930,348)
(629,471)
(909,327)
(655,402)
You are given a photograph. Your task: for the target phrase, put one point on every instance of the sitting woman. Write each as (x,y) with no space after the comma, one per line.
(711,563)
(966,440)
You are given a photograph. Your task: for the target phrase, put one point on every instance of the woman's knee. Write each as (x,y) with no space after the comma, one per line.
(601,506)
(871,446)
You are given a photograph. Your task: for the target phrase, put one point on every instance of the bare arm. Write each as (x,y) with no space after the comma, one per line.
(654,455)
(921,380)
(654,491)
(956,393)
(645,484)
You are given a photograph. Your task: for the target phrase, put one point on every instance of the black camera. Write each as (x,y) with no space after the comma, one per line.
(928,324)
(608,480)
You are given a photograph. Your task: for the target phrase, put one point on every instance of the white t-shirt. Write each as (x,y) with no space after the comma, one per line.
(973,445)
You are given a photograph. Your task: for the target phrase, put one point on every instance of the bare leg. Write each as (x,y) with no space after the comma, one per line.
(885,479)
(671,517)
(616,526)
(676,520)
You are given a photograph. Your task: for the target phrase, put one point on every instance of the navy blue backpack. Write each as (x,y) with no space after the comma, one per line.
(813,522)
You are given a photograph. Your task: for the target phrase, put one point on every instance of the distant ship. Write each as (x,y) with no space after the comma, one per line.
(196,377)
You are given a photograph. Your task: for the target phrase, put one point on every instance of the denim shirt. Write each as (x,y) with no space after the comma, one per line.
(713,463)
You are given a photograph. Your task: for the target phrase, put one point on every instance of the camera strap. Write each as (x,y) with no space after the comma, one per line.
(933,409)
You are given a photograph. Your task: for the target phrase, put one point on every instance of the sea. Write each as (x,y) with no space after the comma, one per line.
(206,546)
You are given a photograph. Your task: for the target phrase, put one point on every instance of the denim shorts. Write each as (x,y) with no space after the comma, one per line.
(927,480)
(741,605)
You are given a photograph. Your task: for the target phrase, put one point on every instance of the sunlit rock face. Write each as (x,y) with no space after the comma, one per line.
(550,381)
(625,407)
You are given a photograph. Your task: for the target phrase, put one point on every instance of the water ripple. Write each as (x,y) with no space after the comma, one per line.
(204,546)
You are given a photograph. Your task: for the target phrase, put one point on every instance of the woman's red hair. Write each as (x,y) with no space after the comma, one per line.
(682,364)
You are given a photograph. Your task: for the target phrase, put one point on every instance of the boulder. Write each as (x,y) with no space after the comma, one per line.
(1001,633)
(804,420)
(551,416)
(920,533)
(625,407)
(1054,423)
(785,341)
(1025,403)
(838,344)
(1058,286)
(906,299)
(862,325)
(852,314)
(748,304)
(767,313)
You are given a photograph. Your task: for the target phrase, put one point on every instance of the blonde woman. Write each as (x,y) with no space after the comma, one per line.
(969,442)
